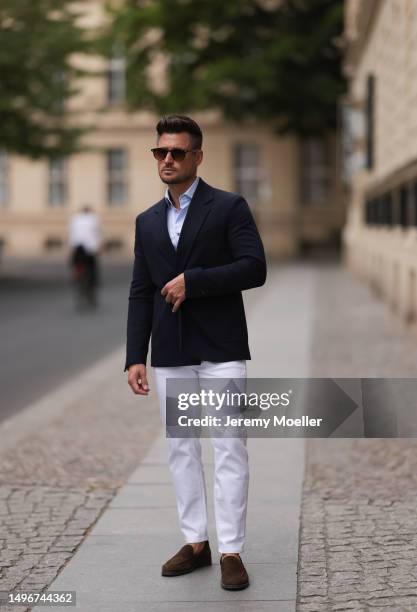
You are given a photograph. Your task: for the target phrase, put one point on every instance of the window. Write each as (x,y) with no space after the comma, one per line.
(378,210)
(116,78)
(388,208)
(370,114)
(116,176)
(53,243)
(375,211)
(4,178)
(353,131)
(59,84)
(58,187)
(404,192)
(113,244)
(248,179)
(368,212)
(372,211)
(315,172)
(414,200)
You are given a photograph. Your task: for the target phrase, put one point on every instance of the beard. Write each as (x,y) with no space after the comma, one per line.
(175,178)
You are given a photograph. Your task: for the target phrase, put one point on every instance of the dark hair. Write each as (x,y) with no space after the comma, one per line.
(175,124)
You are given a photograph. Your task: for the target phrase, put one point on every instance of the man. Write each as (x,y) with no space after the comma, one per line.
(195,251)
(84,239)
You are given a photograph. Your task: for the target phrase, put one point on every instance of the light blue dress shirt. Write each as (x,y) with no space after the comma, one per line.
(176,218)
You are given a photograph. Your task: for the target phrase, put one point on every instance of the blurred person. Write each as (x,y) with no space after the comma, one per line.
(85,240)
(195,251)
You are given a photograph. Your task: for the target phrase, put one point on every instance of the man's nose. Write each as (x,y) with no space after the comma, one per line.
(168,157)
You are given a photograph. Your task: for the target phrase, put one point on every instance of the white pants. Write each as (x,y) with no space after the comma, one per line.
(231,470)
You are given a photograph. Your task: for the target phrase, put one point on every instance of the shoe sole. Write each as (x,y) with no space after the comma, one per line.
(238,587)
(173,573)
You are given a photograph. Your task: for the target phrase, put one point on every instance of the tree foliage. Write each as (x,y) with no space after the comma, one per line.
(274,61)
(37,40)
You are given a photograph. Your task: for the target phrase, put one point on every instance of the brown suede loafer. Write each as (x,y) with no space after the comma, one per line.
(234,574)
(186,561)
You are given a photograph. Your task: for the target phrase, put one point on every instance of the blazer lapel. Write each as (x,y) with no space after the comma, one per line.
(161,234)
(197,213)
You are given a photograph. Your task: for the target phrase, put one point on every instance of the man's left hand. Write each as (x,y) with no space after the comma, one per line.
(174,292)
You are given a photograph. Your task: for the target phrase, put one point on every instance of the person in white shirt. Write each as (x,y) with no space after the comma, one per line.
(85,231)
(85,242)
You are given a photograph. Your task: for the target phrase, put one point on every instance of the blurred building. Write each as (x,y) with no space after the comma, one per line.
(292,185)
(380,140)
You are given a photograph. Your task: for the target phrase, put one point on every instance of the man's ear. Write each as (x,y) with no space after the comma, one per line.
(199,157)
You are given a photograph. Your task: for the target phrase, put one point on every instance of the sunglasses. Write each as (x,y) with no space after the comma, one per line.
(160,153)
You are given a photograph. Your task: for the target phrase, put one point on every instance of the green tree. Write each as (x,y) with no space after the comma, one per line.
(37,40)
(263,59)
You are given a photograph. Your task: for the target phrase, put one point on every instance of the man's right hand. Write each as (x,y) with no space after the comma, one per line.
(137,379)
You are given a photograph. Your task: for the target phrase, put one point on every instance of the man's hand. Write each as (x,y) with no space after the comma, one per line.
(174,292)
(137,379)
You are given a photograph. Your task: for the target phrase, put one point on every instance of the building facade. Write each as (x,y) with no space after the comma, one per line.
(381,232)
(292,186)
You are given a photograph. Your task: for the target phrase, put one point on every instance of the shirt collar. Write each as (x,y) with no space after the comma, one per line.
(186,197)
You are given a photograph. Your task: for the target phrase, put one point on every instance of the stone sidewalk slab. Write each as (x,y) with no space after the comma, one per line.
(118,565)
(358,532)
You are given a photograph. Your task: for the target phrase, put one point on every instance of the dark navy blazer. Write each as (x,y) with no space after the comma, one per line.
(221,254)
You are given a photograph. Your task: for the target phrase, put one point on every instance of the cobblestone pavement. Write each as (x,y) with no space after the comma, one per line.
(41,528)
(56,481)
(358,536)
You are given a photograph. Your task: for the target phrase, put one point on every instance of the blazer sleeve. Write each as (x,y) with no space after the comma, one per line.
(248,268)
(140,311)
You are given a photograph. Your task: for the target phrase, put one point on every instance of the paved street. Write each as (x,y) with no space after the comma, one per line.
(44,341)
(332,523)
